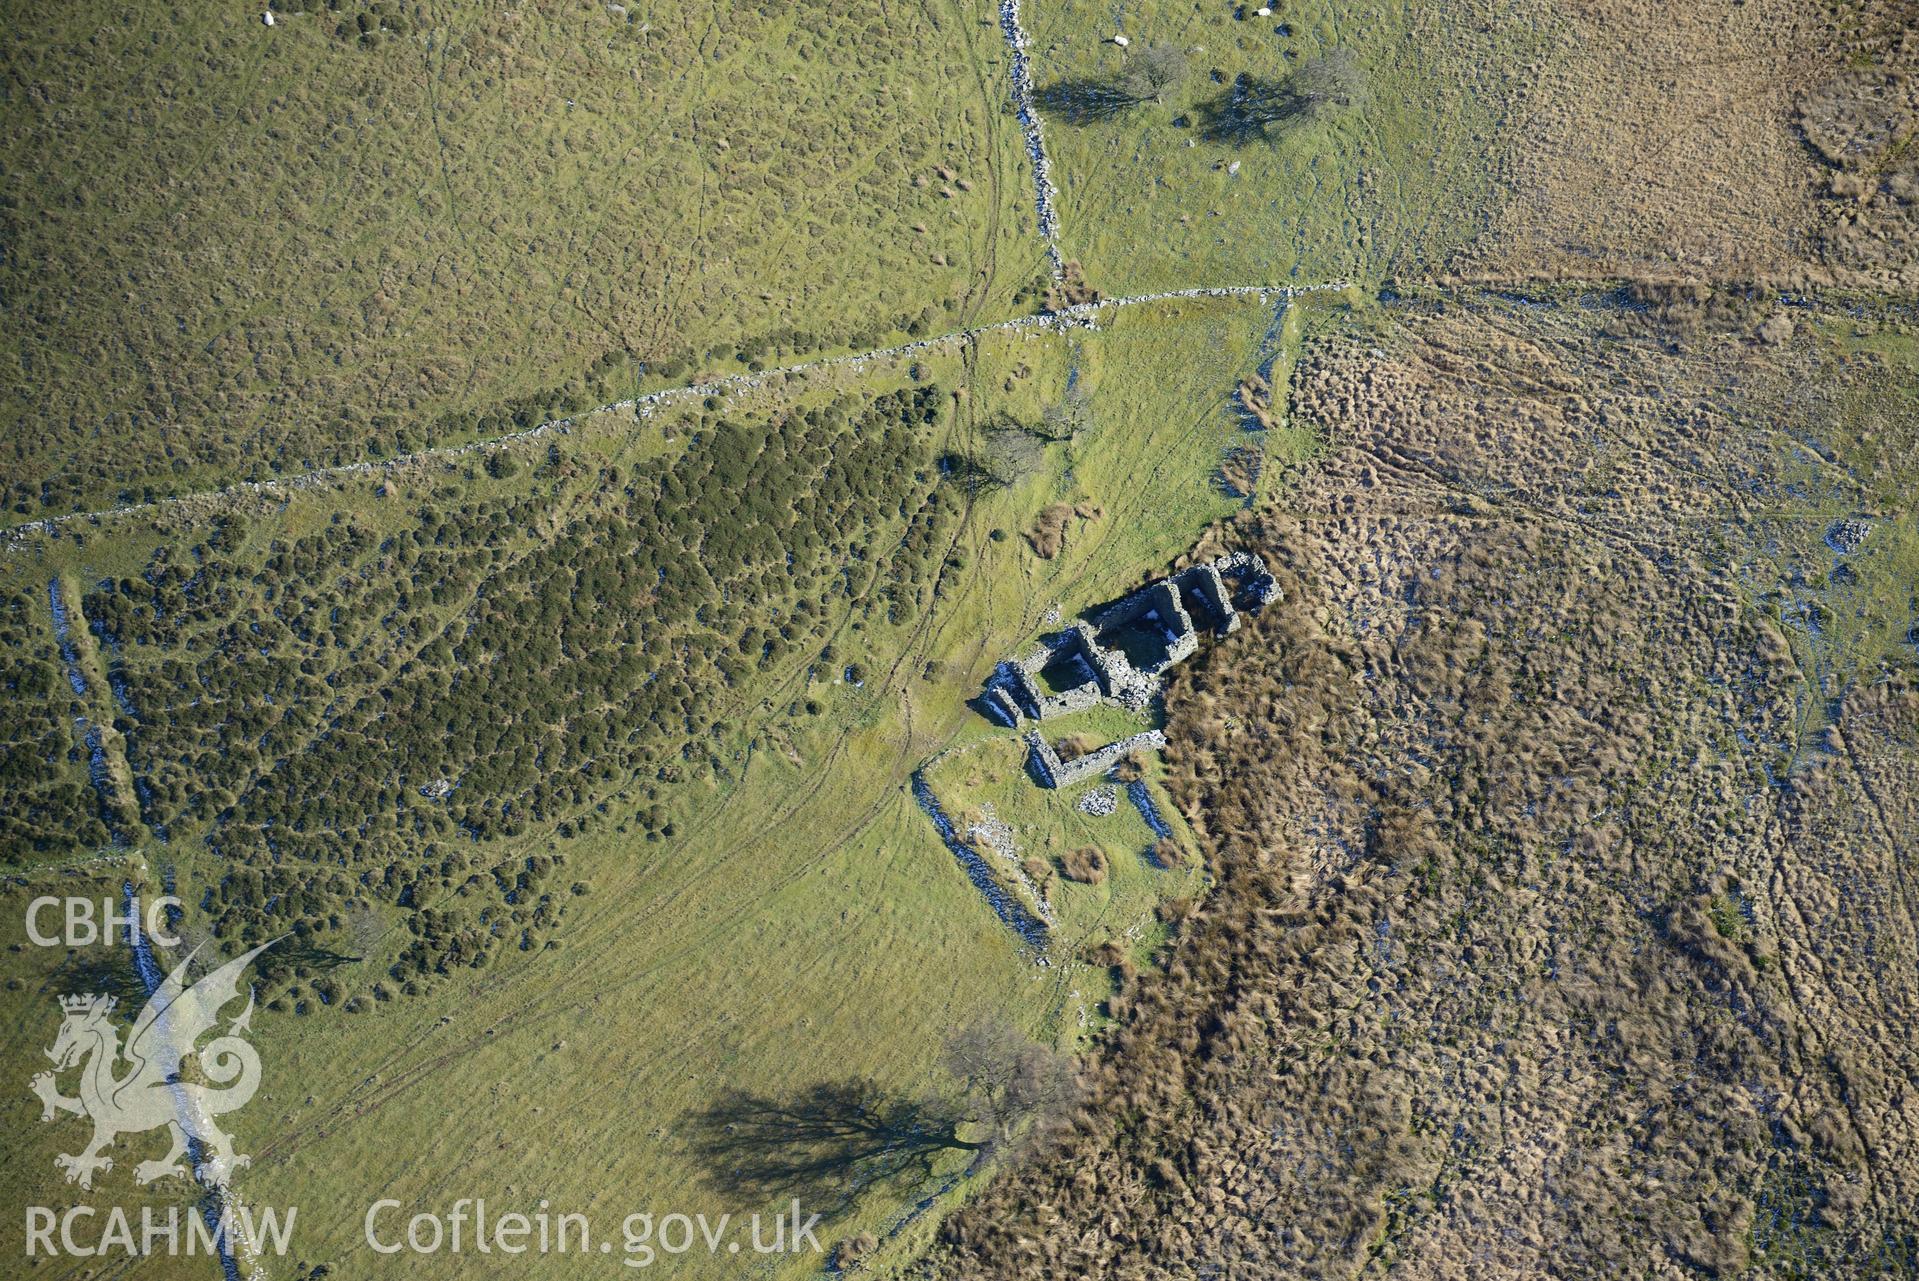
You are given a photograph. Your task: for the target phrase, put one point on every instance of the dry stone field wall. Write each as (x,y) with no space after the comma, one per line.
(1057,773)
(252,495)
(1045,197)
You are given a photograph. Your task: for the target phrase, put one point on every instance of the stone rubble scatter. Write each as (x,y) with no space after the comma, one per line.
(1099,801)
(1847,536)
(994,833)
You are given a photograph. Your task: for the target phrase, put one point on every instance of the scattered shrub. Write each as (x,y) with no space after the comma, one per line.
(1087,864)
(1048,535)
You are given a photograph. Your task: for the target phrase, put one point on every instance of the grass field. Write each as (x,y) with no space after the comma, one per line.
(805,922)
(1150,200)
(238,250)
(582,767)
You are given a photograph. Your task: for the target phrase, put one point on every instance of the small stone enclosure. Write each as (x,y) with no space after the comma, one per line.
(1121,654)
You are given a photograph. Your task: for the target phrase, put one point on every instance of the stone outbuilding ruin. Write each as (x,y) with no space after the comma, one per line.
(1051,771)
(1121,655)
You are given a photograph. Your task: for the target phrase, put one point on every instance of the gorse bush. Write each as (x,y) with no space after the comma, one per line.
(350,717)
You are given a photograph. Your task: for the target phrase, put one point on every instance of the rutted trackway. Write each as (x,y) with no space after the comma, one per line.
(1085,315)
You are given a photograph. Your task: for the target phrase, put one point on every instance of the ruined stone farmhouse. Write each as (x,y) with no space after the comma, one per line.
(1121,655)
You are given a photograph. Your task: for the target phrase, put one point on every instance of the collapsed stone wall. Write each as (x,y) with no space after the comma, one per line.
(1055,772)
(1206,588)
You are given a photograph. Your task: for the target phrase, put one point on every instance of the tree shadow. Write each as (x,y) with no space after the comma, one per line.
(1084,102)
(299,958)
(826,1144)
(316,958)
(96,971)
(1254,109)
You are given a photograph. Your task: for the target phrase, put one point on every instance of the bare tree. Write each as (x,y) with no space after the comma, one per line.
(1252,106)
(1152,71)
(1146,77)
(1007,1080)
(830,1141)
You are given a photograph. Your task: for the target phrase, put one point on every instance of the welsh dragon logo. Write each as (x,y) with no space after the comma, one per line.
(150,1093)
